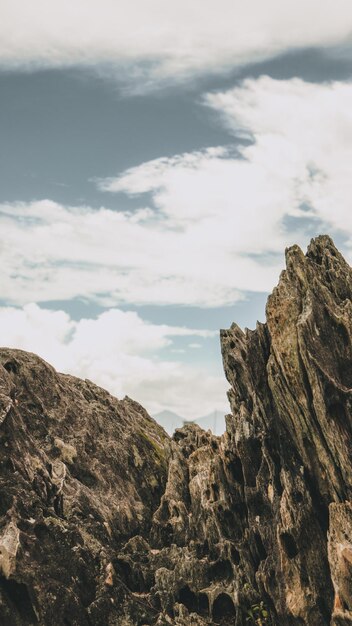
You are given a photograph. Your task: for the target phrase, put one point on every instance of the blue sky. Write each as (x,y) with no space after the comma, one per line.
(156,160)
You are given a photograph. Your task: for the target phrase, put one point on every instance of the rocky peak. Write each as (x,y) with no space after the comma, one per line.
(291,426)
(106,521)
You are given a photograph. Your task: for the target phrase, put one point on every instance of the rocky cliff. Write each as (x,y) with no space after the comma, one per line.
(106,521)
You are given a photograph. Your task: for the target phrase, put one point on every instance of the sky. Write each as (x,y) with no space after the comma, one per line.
(156,159)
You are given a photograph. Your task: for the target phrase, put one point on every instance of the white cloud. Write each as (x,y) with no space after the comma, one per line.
(302,136)
(118,351)
(217,222)
(296,166)
(148,41)
(52,252)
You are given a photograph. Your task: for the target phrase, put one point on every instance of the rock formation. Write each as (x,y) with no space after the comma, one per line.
(106,521)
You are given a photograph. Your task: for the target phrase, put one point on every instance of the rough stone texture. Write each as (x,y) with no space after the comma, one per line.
(291,427)
(80,473)
(106,521)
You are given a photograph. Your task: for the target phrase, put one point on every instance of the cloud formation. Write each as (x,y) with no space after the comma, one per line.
(118,351)
(53,252)
(294,169)
(302,138)
(217,221)
(146,42)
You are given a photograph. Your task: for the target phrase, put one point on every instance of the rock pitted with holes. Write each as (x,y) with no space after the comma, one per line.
(106,521)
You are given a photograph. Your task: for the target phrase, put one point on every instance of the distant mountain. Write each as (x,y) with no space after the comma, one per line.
(215,421)
(169,421)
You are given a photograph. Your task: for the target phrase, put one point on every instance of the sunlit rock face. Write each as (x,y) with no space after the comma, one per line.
(106,521)
(291,428)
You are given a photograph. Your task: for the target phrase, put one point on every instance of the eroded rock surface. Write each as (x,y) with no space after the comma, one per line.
(80,473)
(104,520)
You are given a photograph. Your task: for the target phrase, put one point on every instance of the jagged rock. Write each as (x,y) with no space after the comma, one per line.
(9,543)
(80,473)
(340,559)
(291,426)
(106,521)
